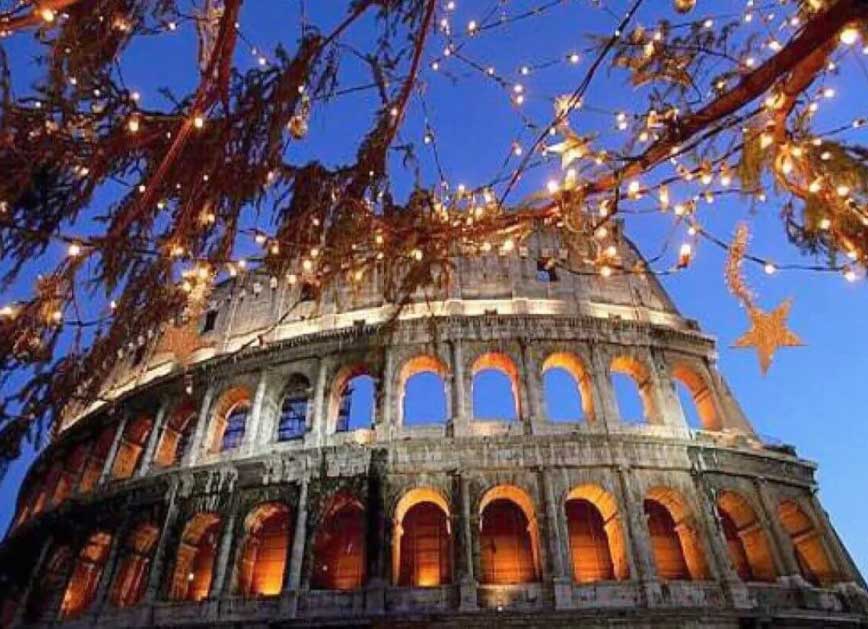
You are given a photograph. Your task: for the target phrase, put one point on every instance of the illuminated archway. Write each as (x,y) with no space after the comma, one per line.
(262,562)
(495,377)
(746,541)
(339,547)
(176,436)
(73,464)
(131,578)
(47,592)
(423,375)
(677,549)
(352,399)
(811,555)
(570,365)
(229,419)
(701,395)
(131,446)
(422,540)
(597,546)
(96,459)
(509,537)
(89,566)
(194,562)
(640,378)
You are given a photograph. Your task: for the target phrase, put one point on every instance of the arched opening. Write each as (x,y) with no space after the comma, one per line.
(262,563)
(422,540)
(48,590)
(509,538)
(131,447)
(696,398)
(631,383)
(676,546)
(597,547)
(131,578)
(352,402)
(194,562)
(339,547)
(807,541)
(176,437)
(229,423)
(422,382)
(495,388)
(73,464)
(292,422)
(96,459)
(746,541)
(568,389)
(81,587)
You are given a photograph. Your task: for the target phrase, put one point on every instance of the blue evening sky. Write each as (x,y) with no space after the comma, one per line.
(813,397)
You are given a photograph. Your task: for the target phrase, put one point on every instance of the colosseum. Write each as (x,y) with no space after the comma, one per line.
(231,476)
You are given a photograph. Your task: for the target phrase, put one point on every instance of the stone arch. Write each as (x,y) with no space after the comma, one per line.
(194,561)
(499,362)
(701,393)
(339,552)
(574,366)
(610,523)
(131,577)
(96,459)
(226,411)
(639,372)
(86,574)
(422,539)
(177,435)
(131,447)
(416,366)
(507,521)
(340,399)
(746,540)
(675,540)
(47,593)
(262,560)
(814,563)
(292,420)
(73,464)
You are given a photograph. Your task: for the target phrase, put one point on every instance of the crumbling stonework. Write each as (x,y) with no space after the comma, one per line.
(172,494)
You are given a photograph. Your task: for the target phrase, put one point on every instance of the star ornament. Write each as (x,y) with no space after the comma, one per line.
(572,148)
(768,333)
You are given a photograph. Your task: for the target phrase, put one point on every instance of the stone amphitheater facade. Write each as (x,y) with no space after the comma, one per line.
(231,491)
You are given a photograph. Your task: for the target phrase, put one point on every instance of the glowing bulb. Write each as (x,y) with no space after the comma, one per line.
(198,122)
(133,125)
(74,249)
(849,35)
(606,270)
(574,58)
(769,268)
(553,186)
(47,15)
(850,275)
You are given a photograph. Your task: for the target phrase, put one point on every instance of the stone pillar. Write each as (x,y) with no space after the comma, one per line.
(35,574)
(642,566)
(531,389)
(558,549)
(292,582)
(255,422)
(159,557)
(191,457)
(785,556)
(465,568)
(459,418)
(107,576)
(663,391)
(113,451)
(606,414)
(320,413)
(837,554)
(221,562)
(377,542)
(384,418)
(153,439)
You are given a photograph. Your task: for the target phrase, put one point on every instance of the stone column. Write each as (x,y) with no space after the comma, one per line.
(385,418)
(113,451)
(607,417)
(255,422)
(785,556)
(191,457)
(668,406)
(466,568)
(459,398)
(107,576)
(221,562)
(159,556)
(320,413)
(35,574)
(642,566)
(377,542)
(531,389)
(153,439)
(292,583)
(558,549)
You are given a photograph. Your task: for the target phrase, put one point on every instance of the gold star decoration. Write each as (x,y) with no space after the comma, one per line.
(572,148)
(768,333)
(182,340)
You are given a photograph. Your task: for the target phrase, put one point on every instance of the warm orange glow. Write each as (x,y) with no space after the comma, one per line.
(665,543)
(589,545)
(425,546)
(82,585)
(811,555)
(96,459)
(132,573)
(191,578)
(675,519)
(176,436)
(573,365)
(131,447)
(263,561)
(634,368)
(746,540)
(50,585)
(506,544)
(339,548)
(702,395)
